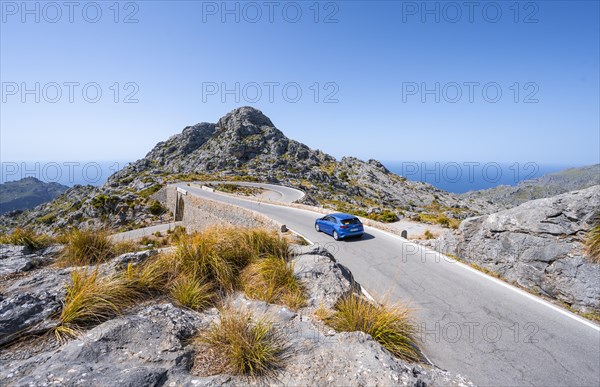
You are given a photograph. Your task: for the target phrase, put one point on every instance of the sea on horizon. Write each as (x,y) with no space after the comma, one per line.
(455,177)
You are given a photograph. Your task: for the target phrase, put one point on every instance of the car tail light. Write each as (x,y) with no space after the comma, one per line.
(342,226)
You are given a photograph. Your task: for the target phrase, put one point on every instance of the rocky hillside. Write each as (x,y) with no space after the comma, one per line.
(152,343)
(27,193)
(118,209)
(542,187)
(538,245)
(246,145)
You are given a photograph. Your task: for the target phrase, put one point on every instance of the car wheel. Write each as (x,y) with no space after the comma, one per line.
(336,236)
(317,227)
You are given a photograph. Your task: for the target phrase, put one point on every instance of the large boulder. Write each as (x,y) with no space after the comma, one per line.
(538,245)
(140,349)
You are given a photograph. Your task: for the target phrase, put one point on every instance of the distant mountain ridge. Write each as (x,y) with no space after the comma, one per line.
(548,185)
(27,193)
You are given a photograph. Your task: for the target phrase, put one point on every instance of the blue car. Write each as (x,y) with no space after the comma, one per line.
(340,226)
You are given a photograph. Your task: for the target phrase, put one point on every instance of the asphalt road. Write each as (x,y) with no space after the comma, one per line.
(471,323)
(276,193)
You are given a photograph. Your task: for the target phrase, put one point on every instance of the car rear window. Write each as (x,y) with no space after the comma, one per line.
(351,221)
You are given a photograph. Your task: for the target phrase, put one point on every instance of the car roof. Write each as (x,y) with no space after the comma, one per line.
(342,216)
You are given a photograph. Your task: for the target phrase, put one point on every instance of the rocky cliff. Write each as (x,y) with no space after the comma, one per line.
(538,245)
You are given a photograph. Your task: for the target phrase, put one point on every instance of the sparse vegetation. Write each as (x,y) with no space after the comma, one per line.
(238,189)
(191,292)
(87,247)
(323,313)
(146,193)
(156,208)
(91,299)
(248,346)
(27,238)
(389,325)
(440,219)
(428,235)
(592,242)
(272,280)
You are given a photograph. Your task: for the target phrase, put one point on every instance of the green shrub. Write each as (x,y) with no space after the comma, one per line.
(156,208)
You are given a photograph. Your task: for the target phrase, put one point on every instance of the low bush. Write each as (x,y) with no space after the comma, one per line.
(156,208)
(428,235)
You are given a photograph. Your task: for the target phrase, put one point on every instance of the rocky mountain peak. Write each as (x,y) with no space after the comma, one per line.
(244,121)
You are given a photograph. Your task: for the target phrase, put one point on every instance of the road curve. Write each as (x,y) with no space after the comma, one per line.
(281,193)
(470,323)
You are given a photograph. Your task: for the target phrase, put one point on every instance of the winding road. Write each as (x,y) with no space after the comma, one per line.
(470,323)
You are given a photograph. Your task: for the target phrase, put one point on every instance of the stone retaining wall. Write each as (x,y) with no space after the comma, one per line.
(200,213)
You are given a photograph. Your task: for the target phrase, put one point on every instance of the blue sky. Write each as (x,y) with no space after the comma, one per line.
(370,62)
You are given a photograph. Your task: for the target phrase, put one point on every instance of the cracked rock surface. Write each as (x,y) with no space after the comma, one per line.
(538,245)
(151,344)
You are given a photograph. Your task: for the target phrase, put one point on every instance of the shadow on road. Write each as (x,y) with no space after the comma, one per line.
(366,236)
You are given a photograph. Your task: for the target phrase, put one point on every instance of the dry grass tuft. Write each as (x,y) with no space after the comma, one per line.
(28,238)
(323,313)
(389,325)
(592,243)
(219,254)
(272,280)
(190,292)
(91,299)
(247,346)
(87,247)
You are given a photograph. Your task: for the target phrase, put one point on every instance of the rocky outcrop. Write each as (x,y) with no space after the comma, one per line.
(538,245)
(151,343)
(27,304)
(19,259)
